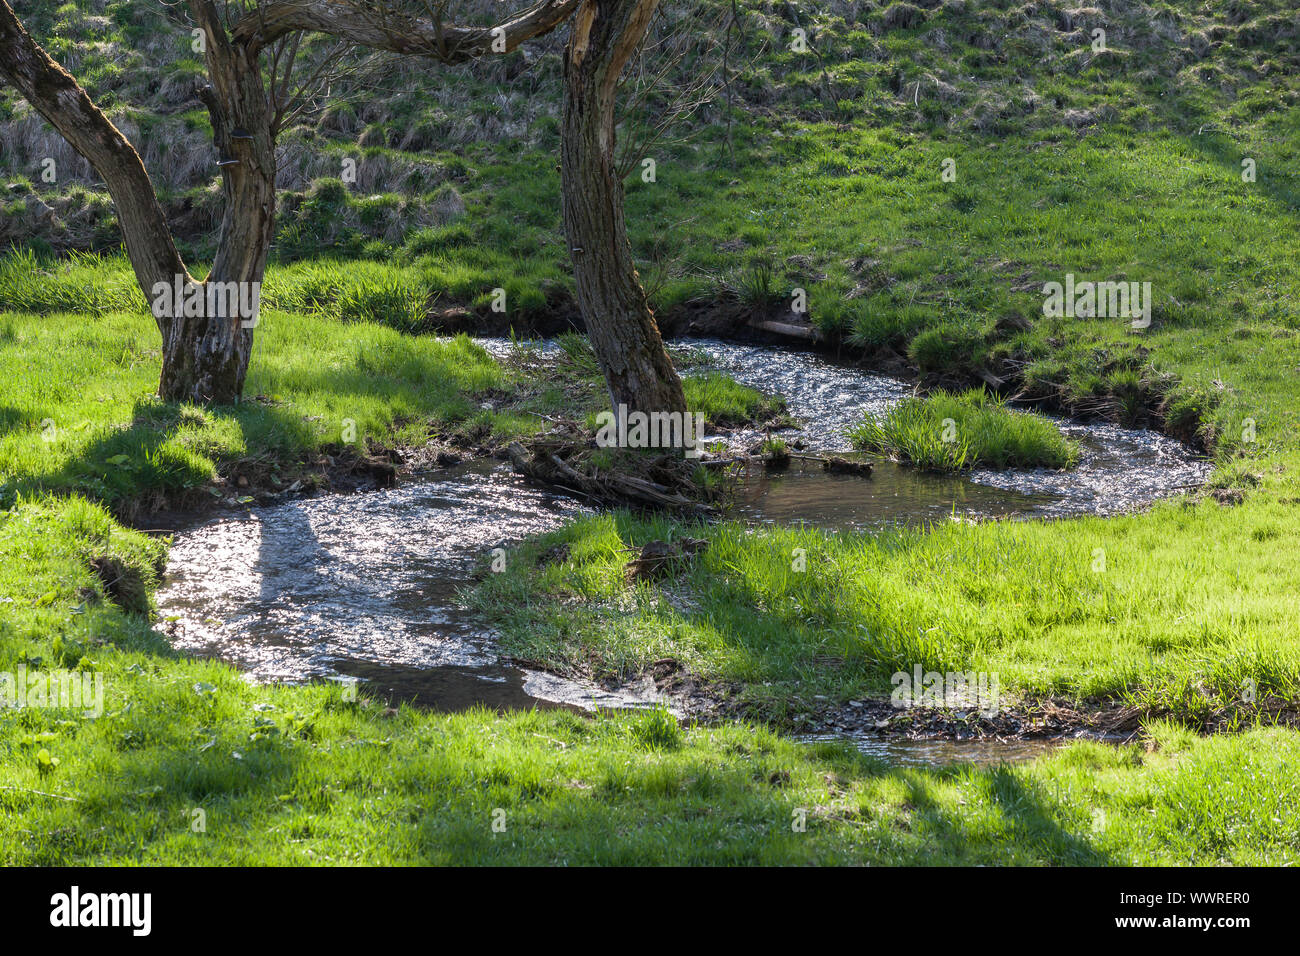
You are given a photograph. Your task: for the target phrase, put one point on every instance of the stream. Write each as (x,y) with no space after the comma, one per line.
(363,587)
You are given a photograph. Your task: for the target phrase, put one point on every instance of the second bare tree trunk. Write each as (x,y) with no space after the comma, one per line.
(205,357)
(620,325)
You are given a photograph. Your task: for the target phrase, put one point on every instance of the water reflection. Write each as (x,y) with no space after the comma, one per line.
(980,752)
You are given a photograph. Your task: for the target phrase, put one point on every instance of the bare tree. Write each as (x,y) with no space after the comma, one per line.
(206,343)
(604,37)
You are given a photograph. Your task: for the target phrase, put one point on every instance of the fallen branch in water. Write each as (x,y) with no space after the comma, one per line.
(665,482)
(837,465)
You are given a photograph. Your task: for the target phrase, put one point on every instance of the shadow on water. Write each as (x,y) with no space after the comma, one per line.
(450,689)
(893,494)
(288,591)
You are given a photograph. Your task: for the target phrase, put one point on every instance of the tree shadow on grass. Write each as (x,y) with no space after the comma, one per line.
(137,466)
(806,639)
(141,466)
(1032,832)
(450,805)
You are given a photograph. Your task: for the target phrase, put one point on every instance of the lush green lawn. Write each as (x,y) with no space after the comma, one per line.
(190,764)
(1124,166)
(319,779)
(81,413)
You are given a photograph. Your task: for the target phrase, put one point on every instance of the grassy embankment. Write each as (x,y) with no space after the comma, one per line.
(1122,165)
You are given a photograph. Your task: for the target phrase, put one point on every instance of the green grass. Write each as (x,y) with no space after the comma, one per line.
(952,432)
(725,402)
(80,413)
(1123,166)
(189,764)
(1176,609)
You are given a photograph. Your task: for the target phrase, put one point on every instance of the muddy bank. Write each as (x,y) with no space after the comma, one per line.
(1040,719)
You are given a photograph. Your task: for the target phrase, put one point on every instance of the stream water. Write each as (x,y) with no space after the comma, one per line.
(364,586)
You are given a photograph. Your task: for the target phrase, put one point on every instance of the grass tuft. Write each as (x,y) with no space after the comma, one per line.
(953,432)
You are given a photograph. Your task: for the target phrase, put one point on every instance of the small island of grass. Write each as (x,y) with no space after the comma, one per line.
(953,432)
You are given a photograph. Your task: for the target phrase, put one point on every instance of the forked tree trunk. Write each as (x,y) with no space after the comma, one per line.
(205,357)
(622,329)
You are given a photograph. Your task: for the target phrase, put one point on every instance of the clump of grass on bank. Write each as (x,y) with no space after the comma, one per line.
(953,432)
(724,402)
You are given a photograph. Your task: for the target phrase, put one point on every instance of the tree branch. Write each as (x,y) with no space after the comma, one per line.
(57,96)
(397,32)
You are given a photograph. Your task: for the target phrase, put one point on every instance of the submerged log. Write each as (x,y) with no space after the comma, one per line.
(845,466)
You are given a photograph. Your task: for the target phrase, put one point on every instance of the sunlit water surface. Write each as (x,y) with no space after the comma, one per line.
(365,586)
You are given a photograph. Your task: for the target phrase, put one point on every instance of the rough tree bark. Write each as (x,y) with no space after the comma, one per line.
(622,329)
(205,357)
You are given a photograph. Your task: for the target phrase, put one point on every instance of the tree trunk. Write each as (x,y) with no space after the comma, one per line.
(205,357)
(621,326)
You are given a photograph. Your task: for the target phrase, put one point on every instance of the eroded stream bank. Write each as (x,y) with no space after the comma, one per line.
(365,586)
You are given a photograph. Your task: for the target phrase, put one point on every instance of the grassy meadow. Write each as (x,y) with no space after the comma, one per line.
(826,173)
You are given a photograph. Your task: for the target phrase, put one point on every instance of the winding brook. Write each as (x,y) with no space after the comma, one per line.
(364,586)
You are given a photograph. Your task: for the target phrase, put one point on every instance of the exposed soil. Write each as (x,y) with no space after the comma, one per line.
(1042,718)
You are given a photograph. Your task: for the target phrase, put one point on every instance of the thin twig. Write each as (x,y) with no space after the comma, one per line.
(41,793)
